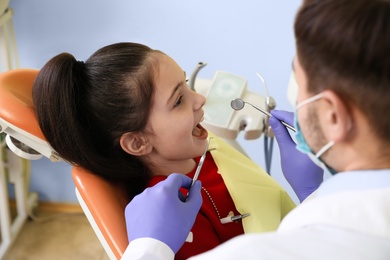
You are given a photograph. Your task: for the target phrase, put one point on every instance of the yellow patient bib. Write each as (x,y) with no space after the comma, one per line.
(253,191)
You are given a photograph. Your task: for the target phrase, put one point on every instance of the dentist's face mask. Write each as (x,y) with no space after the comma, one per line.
(301,142)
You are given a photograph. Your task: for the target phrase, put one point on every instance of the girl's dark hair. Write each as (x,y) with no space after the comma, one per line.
(344,46)
(83,109)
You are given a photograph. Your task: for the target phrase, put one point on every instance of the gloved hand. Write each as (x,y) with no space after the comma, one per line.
(302,174)
(161,212)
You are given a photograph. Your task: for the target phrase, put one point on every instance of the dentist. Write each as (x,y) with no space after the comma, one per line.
(342,69)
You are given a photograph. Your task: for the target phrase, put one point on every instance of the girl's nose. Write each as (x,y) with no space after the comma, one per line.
(200,101)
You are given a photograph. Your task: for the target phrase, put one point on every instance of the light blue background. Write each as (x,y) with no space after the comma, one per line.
(242,37)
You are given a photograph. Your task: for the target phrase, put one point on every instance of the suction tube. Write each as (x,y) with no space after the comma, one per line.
(191,83)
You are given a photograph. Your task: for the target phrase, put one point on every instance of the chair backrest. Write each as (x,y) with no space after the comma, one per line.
(106,204)
(102,202)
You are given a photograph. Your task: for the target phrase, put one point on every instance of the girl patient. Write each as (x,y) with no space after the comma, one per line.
(127,115)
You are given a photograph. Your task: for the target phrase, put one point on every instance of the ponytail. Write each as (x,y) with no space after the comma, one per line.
(84,108)
(58,93)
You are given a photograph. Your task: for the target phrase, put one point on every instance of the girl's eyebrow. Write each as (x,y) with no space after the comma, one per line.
(174,91)
(176,88)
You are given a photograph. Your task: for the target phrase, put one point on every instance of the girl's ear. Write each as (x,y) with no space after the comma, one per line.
(135,144)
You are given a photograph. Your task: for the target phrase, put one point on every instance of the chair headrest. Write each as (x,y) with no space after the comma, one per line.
(16,105)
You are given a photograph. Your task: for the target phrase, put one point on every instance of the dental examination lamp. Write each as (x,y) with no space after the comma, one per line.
(226,122)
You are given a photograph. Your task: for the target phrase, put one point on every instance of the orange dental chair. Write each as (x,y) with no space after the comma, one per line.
(104,205)
(102,202)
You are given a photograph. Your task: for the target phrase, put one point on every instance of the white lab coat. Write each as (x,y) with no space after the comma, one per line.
(348,218)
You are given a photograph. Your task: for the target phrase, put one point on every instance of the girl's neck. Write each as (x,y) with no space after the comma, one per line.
(183,167)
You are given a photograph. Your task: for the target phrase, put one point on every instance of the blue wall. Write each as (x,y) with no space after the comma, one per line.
(242,37)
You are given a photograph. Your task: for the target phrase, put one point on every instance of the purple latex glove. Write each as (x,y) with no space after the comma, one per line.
(161,212)
(303,175)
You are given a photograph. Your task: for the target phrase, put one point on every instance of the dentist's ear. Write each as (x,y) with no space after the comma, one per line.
(336,117)
(135,144)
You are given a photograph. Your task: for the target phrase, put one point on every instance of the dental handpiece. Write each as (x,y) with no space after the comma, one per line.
(238,104)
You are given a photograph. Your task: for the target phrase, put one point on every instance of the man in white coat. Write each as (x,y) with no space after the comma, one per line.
(342,69)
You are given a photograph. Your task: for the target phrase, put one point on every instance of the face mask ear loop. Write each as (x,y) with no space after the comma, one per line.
(324,149)
(309,100)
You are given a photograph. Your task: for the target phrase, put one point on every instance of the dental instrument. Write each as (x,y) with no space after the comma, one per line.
(200,164)
(268,133)
(236,218)
(238,104)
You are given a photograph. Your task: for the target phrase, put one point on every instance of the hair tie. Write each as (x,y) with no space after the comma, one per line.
(80,65)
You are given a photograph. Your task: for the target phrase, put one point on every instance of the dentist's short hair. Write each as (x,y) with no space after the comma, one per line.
(344,45)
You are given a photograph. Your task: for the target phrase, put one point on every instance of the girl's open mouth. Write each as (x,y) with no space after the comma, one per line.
(199,131)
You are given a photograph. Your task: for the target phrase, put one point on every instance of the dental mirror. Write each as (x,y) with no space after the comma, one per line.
(238,104)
